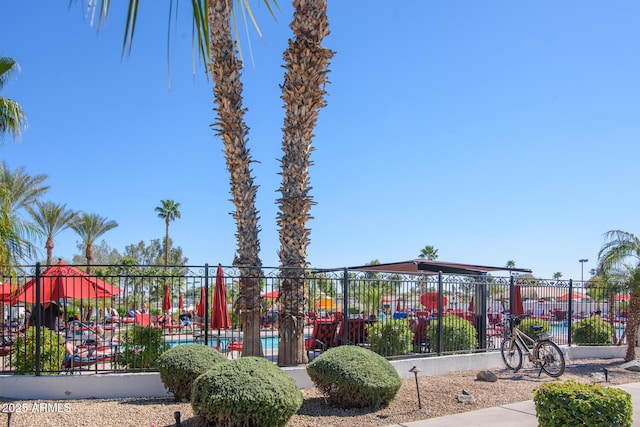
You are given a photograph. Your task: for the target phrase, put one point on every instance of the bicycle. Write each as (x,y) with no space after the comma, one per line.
(541,351)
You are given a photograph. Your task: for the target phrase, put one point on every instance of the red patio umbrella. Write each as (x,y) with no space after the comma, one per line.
(623,297)
(181,302)
(398,306)
(219,311)
(430,300)
(5,293)
(166,301)
(472,305)
(62,281)
(565,297)
(271,295)
(518,307)
(200,306)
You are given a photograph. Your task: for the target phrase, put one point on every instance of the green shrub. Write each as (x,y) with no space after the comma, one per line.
(592,331)
(141,348)
(354,377)
(526,325)
(574,404)
(249,391)
(181,365)
(458,334)
(52,352)
(390,338)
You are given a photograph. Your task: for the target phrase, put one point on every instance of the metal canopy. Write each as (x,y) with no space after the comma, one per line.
(424,266)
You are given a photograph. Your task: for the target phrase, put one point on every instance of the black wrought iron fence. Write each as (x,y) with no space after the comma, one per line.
(120,318)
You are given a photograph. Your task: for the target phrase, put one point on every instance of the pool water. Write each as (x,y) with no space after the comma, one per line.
(268,343)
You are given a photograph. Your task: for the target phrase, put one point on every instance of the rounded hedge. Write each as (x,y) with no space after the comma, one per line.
(390,338)
(458,334)
(181,365)
(249,391)
(592,331)
(354,377)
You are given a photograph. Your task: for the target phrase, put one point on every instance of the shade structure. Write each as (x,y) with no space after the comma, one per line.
(219,311)
(518,307)
(201,305)
(271,295)
(430,300)
(181,302)
(63,281)
(166,300)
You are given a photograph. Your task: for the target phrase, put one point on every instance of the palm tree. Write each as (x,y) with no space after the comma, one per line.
(169,211)
(89,227)
(621,252)
(12,118)
(557,275)
(303,94)
(18,191)
(429,252)
(51,219)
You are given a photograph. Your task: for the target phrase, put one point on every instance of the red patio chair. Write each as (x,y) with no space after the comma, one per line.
(322,336)
(356,334)
(420,338)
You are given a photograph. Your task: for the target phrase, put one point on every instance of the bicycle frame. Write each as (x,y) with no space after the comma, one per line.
(524,341)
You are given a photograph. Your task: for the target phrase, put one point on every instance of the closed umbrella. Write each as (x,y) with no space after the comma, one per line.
(62,281)
(518,307)
(219,311)
(201,305)
(166,301)
(181,302)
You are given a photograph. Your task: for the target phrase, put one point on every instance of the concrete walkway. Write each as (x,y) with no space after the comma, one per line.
(521,414)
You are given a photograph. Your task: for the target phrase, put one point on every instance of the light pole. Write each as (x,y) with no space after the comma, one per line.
(582,261)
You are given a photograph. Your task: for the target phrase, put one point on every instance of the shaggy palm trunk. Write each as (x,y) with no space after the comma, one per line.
(303,95)
(226,68)
(49,247)
(85,312)
(633,324)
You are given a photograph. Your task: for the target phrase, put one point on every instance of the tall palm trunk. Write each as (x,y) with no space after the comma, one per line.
(49,247)
(303,95)
(225,70)
(632,324)
(166,244)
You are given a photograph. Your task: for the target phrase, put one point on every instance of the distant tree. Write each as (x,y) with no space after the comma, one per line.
(12,118)
(51,219)
(621,255)
(429,252)
(89,227)
(511,264)
(169,211)
(557,275)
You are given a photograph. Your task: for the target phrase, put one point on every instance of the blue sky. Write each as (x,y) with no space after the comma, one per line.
(492,130)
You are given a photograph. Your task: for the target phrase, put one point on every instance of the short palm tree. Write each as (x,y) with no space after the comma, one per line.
(12,118)
(303,93)
(89,227)
(169,211)
(50,219)
(622,252)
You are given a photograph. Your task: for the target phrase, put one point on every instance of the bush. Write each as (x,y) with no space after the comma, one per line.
(52,352)
(458,334)
(354,377)
(141,348)
(249,391)
(390,338)
(592,331)
(181,365)
(526,325)
(571,403)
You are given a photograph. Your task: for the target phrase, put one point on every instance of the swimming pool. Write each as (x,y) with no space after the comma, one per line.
(268,343)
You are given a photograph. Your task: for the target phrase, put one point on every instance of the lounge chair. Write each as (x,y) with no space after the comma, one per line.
(356,334)
(420,338)
(143,319)
(322,336)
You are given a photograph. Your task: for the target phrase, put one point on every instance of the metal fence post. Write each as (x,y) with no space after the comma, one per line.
(570,313)
(345,305)
(440,290)
(38,311)
(206,304)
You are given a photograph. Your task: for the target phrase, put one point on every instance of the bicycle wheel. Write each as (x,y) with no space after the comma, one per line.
(511,354)
(550,358)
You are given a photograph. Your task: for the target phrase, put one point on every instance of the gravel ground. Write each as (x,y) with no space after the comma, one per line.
(438,394)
